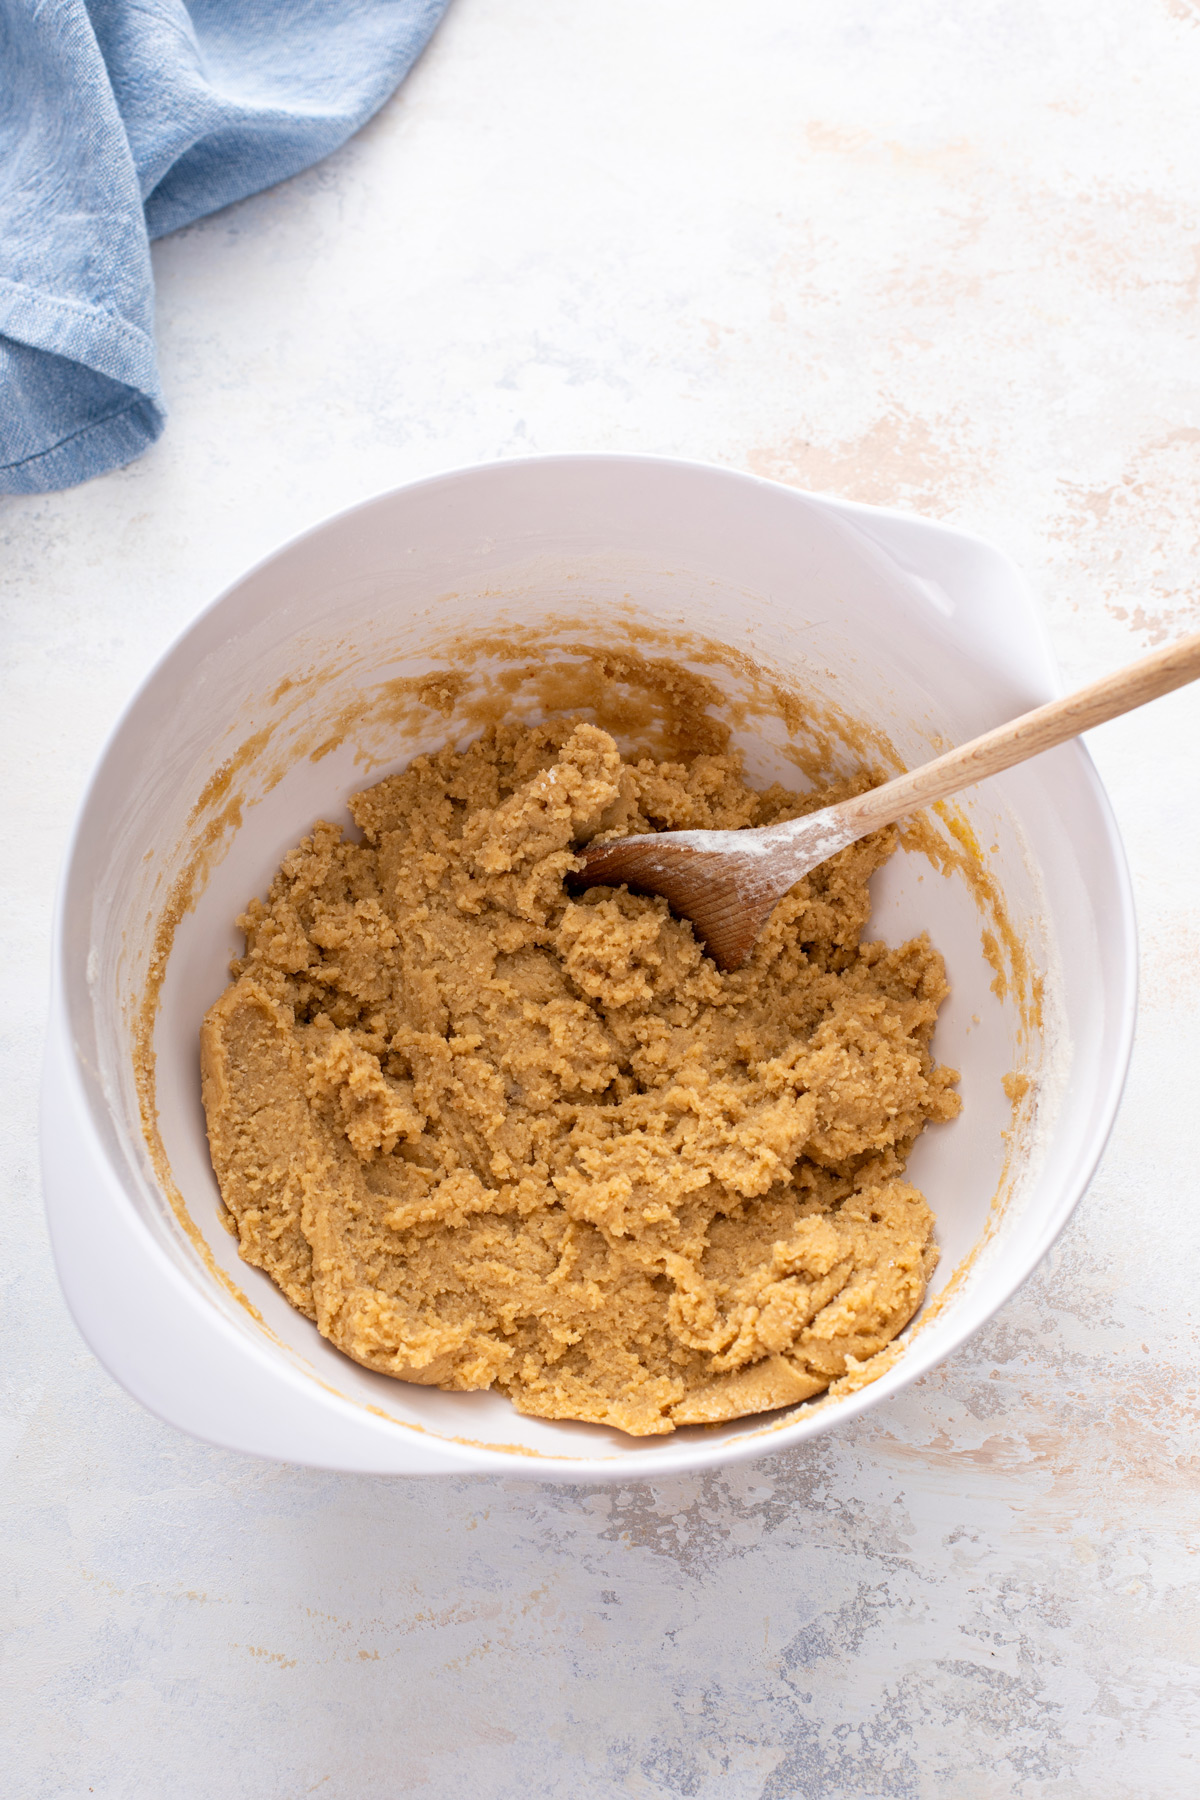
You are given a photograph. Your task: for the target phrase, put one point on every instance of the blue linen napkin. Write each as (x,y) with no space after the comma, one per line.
(121,120)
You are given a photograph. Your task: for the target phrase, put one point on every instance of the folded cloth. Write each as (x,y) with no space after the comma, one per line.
(124,119)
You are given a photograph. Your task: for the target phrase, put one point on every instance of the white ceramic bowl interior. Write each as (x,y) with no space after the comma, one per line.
(295,689)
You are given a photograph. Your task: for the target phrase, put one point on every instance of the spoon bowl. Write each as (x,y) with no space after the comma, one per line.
(728,883)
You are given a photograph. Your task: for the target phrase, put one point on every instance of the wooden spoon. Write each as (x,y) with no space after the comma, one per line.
(729,882)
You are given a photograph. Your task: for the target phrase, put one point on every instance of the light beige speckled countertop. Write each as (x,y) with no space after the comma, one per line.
(943,257)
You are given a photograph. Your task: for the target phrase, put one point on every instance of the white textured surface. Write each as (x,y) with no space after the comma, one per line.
(946,257)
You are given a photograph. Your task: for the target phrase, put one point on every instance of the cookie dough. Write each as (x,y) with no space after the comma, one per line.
(488,1132)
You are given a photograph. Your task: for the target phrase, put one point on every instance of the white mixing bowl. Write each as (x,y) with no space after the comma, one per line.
(295,688)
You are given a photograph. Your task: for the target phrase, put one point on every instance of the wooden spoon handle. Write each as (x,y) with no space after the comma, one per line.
(1159,673)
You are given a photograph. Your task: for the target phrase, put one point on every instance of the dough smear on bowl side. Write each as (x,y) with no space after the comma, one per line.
(489,1133)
